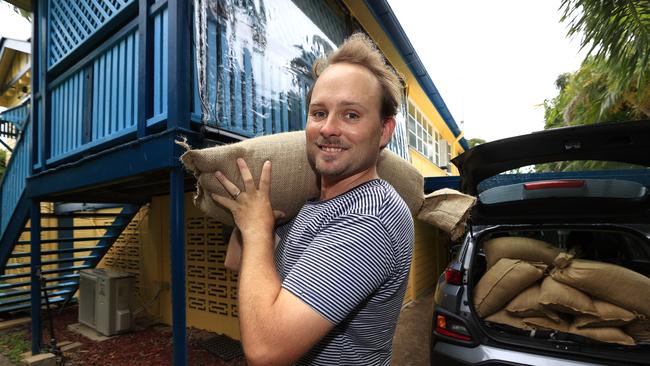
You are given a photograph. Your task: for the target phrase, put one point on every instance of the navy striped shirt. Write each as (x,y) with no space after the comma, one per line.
(348,258)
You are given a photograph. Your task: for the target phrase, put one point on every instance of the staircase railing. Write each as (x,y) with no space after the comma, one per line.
(14,179)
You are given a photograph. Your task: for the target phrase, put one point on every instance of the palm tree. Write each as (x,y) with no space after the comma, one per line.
(617,33)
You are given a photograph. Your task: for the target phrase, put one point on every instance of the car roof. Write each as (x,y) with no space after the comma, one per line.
(624,142)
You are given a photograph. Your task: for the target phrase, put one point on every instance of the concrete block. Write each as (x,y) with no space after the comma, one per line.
(71,346)
(43,359)
(63,343)
(87,332)
(14,322)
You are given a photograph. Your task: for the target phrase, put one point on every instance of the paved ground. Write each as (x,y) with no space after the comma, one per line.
(4,361)
(411,341)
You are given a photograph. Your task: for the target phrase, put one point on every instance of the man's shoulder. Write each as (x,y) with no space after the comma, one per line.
(388,197)
(379,199)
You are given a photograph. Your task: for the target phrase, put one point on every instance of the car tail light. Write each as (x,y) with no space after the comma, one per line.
(450,327)
(573,183)
(453,276)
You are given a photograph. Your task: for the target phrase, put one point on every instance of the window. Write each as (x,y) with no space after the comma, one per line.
(448,152)
(423,137)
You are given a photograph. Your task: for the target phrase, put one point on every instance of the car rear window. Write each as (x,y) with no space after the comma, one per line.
(580,169)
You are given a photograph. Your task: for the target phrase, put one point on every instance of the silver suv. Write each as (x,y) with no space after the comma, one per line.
(598,206)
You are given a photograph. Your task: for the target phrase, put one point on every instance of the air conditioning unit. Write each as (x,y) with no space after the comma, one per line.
(105,300)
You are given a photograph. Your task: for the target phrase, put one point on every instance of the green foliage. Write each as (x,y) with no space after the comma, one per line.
(3,162)
(613,81)
(475,141)
(585,97)
(617,33)
(583,165)
(13,344)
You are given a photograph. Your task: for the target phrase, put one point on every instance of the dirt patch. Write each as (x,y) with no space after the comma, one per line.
(147,345)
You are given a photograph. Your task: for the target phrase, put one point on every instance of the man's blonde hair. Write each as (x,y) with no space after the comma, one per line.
(360,50)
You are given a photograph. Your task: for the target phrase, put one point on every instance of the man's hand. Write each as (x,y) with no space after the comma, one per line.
(251,208)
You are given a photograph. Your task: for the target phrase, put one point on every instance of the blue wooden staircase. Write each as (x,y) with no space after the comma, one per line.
(72,237)
(66,248)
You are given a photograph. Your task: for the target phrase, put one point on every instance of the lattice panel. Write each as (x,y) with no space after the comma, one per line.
(72,22)
(210,287)
(124,255)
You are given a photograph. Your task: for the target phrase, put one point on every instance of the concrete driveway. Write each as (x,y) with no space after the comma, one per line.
(411,341)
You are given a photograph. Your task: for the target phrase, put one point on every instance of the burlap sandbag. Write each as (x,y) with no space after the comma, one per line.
(517,247)
(293,181)
(501,283)
(608,315)
(544,323)
(615,284)
(503,317)
(526,305)
(639,330)
(565,299)
(447,209)
(604,334)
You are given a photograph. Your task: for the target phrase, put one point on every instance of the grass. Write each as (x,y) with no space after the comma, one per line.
(14,344)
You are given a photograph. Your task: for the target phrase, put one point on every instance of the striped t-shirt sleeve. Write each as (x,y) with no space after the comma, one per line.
(347,261)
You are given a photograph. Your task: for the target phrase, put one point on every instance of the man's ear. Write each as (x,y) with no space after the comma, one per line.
(387,129)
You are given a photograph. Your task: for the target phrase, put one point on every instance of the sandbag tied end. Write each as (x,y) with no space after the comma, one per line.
(447,209)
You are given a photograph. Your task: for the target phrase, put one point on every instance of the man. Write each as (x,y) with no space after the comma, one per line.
(332,291)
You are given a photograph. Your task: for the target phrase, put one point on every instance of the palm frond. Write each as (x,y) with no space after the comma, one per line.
(616,32)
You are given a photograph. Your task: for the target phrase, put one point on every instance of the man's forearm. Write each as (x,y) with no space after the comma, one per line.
(259,287)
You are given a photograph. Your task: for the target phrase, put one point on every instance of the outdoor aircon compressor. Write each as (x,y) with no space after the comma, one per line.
(105,300)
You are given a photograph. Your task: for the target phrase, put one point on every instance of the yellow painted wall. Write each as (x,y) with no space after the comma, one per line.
(211,289)
(424,166)
(430,257)
(137,252)
(14,96)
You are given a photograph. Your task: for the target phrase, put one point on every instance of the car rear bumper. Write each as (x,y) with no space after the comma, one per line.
(450,354)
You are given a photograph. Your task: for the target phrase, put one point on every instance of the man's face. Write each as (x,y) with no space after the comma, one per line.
(344,129)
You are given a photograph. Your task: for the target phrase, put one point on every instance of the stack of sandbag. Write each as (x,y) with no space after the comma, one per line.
(572,296)
(621,296)
(293,182)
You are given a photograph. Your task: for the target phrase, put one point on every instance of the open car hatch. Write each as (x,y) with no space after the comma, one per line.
(626,142)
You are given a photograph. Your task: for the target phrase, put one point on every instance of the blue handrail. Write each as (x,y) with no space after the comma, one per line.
(17,115)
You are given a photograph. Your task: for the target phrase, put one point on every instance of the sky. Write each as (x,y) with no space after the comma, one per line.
(493,62)
(13,25)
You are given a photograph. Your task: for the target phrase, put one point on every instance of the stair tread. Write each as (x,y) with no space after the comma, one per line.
(28,298)
(46,272)
(58,251)
(6,309)
(83,227)
(53,261)
(68,239)
(25,292)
